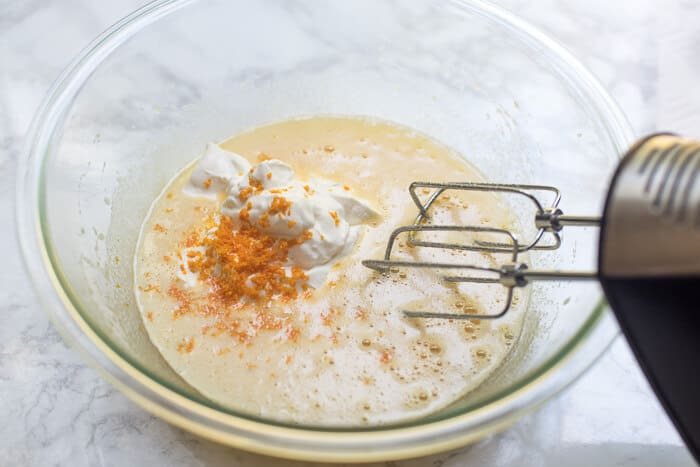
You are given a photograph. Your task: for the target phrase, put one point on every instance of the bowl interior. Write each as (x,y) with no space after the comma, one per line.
(208,70)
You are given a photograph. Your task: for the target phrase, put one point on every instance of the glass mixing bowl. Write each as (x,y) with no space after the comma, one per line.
(142,100)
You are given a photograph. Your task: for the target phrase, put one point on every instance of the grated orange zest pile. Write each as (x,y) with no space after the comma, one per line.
(245,264)
(242,266)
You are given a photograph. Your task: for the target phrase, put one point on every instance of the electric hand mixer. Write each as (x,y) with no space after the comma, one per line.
(648,261)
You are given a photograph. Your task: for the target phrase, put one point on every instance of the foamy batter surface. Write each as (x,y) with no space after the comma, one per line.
(342,354)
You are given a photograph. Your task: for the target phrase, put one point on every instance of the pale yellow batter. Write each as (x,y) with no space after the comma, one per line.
(342,354)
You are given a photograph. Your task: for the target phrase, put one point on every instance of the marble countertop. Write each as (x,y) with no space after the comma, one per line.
(55,410)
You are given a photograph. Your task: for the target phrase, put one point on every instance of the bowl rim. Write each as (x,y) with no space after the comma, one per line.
(494,414)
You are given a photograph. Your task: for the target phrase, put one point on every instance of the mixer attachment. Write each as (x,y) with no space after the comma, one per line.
(548,222)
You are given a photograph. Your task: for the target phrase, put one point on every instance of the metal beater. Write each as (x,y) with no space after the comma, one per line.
(549,221)
(648,261)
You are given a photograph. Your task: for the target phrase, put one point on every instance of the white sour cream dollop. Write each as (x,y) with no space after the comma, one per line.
(321,207)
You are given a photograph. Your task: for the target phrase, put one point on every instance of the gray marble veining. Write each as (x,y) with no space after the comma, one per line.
(55,410)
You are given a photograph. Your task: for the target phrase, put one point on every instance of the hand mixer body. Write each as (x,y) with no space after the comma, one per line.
(649,268)
(660,321)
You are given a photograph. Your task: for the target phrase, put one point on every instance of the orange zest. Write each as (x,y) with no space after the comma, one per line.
(186,345)
(292,334)
(150,288)
(280,205)
(245,193)
(385,357)
(264,221)
(184,301)
(247,264)
(240,266)
(255,183)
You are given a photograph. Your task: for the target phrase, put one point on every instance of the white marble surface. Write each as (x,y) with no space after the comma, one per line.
(54,410)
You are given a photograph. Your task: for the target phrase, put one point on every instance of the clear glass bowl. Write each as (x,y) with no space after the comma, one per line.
(143,99)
